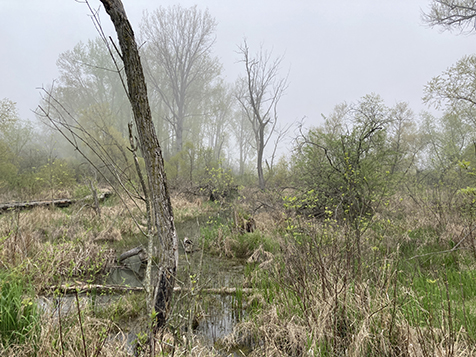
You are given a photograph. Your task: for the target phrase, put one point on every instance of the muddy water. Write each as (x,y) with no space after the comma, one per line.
(220,313)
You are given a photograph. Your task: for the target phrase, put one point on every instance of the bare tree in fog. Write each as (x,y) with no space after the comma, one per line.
(259,92)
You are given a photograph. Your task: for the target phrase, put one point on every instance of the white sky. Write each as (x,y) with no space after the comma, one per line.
(335,50)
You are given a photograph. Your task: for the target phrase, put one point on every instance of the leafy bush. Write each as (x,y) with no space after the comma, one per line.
(346,166)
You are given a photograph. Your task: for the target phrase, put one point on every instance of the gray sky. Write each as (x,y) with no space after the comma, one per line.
(334,51)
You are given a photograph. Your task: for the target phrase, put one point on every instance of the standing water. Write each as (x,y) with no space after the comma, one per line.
(214,315)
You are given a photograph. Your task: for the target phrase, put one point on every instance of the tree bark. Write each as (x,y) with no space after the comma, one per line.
(260,145)
(165,235)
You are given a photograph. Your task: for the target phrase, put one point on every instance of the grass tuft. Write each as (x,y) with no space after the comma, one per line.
(19,315)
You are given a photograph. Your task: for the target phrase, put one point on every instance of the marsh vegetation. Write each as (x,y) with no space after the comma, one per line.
(414,292)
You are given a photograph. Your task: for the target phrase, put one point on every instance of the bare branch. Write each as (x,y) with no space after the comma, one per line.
(452,15)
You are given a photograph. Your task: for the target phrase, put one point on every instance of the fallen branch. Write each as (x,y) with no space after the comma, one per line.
(130,253)
(88,288)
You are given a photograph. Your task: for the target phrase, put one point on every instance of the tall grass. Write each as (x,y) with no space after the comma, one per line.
(19,315)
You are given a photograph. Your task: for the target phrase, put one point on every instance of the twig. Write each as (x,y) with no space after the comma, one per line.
(60,328)
(81,324)
(445,251)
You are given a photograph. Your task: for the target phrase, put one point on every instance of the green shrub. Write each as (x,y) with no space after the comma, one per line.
(56,174)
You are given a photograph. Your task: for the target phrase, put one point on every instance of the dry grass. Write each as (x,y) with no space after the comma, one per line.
(364,330)
(20,196)
(56,245)
(48,264)
(66,339)
(52,246)
(188,207)
(271,336)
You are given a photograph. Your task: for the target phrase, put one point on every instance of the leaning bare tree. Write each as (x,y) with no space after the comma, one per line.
(259,92)
(164,227)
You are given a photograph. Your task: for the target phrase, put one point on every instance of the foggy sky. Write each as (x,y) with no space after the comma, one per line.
(335,51)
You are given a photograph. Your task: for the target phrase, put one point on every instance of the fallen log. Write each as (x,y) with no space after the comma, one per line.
(61,202)
(217,291)
(132,252)
(89,288)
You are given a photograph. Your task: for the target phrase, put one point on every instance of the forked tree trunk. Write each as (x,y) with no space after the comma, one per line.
(165,235)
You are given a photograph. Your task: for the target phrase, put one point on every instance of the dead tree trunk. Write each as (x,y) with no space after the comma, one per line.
(164,235)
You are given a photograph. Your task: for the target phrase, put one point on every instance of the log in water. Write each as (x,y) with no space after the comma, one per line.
(87,288)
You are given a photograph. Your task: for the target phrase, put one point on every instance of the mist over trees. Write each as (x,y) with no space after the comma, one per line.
(205,123)
(30,160)
(194,110)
